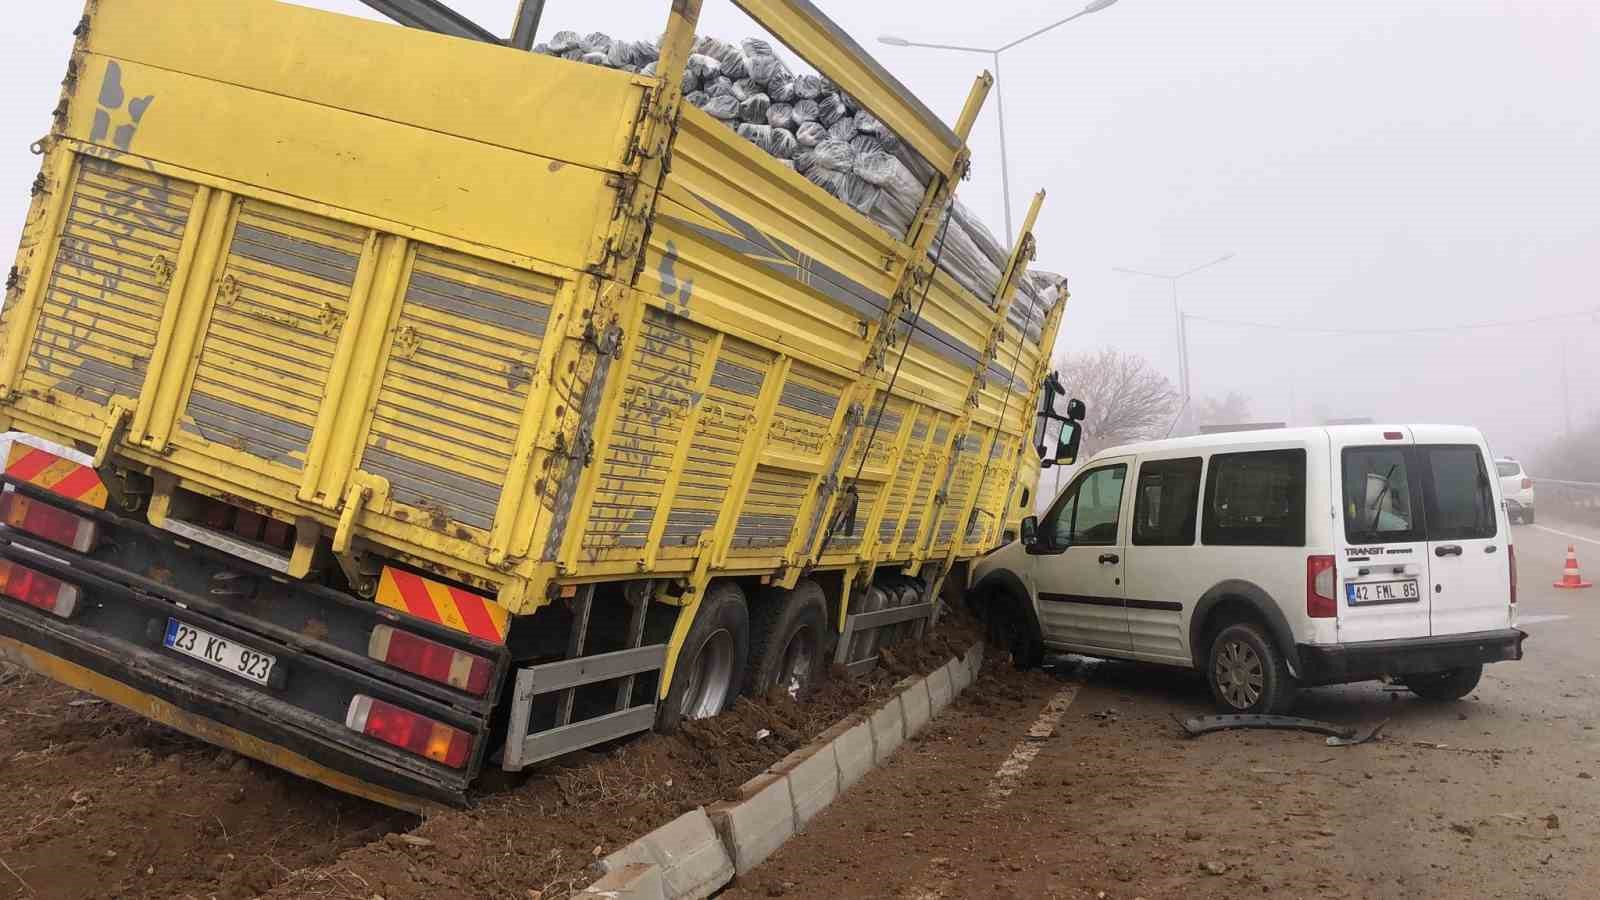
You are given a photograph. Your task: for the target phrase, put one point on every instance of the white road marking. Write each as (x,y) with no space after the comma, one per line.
(1022,755)
(1566,534)
(1534,620)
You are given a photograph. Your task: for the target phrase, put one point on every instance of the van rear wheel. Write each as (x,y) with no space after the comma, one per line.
(1247,674)
(1451,684)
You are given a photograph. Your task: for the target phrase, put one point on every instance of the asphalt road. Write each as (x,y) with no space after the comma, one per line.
(1495,796)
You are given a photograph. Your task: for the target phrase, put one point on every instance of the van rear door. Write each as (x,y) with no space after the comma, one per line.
(1381,543)
(1468,538)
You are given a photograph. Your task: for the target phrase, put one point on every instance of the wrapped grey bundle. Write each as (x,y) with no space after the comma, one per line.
(721,87)
(843,130)
(723,107)
(564,41)
(697,99)
(782,91)
(830,109)
(805,111)
(810,134)
(808,87)
(729,57)
(775,141)
(704,67)
(836,156)
(744,89)
(781,115)
(754,109)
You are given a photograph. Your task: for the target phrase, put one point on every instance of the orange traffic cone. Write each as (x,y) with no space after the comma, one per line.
(1569,576)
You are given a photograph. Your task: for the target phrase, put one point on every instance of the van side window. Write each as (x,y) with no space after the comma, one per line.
(1165,503)
(1087,513)
(1379,503)
(1460,505)
(1256,499)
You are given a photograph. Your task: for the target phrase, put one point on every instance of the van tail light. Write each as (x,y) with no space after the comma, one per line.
(409,731)
(1511,554)
(430,660)
(43,520)
(1320,602)
(37,589)
(1527,483)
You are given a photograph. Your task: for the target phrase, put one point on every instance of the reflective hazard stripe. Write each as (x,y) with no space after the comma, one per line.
(441,603)
(63,477)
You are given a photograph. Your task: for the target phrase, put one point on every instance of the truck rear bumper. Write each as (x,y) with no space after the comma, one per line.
(1340,663)
(138,581)
(215,719)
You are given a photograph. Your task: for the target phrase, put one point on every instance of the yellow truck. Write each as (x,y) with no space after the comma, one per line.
(430,404)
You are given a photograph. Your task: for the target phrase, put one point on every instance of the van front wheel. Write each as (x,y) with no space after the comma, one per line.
(1247,674)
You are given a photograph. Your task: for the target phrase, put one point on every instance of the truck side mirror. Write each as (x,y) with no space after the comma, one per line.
(1076,410)
(1067,446)
(1030,531)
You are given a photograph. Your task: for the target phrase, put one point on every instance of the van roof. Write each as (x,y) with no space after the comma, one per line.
(1229,439)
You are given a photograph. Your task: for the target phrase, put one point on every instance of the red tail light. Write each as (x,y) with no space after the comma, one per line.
(1527,483)
(37,589)
(1511,554)
(43,520)
(431,660)
(1320,582)
(409,731)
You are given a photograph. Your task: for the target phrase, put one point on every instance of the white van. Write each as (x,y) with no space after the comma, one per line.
(1271,560)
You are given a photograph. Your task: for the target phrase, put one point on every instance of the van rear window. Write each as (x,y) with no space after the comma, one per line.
(1380,500)
(1256,499)
(1460,504)
(1508,469)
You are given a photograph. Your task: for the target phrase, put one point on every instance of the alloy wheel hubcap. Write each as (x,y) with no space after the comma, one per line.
(1240,674)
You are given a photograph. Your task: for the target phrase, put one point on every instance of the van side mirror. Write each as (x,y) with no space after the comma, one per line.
(1030,531)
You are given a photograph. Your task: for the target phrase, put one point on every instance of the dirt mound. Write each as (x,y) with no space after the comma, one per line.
(101,802)
(542,837)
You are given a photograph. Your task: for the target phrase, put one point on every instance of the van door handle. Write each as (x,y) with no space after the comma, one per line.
(1111,558)
(1447,550)
(1490,549)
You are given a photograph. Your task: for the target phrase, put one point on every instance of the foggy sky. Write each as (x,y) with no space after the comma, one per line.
(1374,165)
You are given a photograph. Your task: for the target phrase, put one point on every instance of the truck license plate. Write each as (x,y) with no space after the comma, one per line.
(1382,592)
(251,665)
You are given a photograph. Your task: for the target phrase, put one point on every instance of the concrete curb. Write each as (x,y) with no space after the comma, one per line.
(700,852)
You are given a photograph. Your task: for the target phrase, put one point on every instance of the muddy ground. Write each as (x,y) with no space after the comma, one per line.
(103,803)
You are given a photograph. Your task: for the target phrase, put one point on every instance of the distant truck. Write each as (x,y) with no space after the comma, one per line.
(447,405)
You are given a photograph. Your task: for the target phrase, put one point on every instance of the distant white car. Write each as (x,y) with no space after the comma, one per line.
(1517,488)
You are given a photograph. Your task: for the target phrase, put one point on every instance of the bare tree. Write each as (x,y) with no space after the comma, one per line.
(1234,409)
(1127,399)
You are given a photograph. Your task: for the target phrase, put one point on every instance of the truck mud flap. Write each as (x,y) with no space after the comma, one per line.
(114,646)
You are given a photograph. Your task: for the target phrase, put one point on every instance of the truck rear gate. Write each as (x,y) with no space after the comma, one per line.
(368,328)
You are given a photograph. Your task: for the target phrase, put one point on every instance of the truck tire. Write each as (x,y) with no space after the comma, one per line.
(865,644)
(1247,674)
(711,665)
(788,640)
(1451,684)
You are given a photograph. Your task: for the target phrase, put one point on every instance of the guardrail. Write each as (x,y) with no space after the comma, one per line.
(1574,501)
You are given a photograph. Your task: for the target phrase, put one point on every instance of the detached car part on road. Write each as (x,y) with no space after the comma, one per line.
(447,405)
(1272,560)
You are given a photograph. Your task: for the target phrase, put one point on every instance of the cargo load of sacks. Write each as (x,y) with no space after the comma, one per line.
(808,124)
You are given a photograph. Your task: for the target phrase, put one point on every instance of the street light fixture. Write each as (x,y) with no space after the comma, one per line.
(999,101)
(1178,316)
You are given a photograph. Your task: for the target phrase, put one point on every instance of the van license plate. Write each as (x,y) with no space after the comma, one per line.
(1382,592)
(251,665)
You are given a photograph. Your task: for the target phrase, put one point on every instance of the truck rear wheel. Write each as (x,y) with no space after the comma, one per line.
(711,665)
(788,640)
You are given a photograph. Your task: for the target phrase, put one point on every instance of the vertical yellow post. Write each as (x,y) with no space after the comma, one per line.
(193,309)
(182,273)
(35,260)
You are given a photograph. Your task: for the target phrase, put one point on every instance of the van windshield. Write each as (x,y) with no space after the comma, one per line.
(1378,501)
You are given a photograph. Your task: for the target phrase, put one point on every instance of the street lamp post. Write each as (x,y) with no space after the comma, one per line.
(1178,318)
(999,101)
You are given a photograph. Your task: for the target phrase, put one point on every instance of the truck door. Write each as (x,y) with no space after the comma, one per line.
(1078,561)
(1468,543)
(1381,546)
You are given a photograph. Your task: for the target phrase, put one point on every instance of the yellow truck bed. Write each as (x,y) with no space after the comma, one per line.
(510,321)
